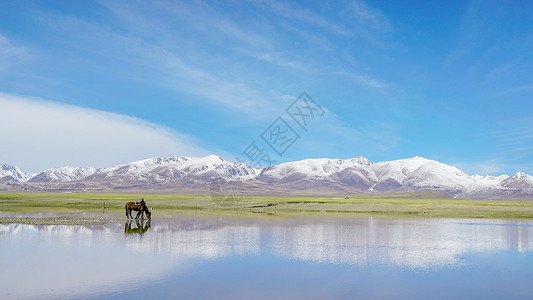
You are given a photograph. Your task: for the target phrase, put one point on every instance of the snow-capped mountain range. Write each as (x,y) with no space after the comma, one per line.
(324,176)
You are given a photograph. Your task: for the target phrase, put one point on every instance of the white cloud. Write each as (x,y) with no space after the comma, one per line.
(36,134)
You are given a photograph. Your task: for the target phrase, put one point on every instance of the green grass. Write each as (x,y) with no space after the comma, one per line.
(394,205)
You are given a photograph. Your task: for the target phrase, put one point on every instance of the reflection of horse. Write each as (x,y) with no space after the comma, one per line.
(142,209)
(140,229)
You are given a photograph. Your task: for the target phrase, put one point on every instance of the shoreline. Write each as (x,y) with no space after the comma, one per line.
(263,206)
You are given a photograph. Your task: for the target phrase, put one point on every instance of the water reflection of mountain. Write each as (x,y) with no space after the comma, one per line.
(410,243)
(402,242)
(414,243)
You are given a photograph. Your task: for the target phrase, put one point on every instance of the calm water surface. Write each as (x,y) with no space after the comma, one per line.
(297,258)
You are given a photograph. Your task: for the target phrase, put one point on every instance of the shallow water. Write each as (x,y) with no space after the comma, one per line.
(296,258)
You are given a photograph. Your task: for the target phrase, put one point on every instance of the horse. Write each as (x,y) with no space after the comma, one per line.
(142,209)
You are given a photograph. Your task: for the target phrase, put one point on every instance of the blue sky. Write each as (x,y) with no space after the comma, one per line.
(100,83)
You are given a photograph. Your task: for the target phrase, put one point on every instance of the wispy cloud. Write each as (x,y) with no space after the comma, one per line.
(368,81)
(468,34)
(39,134)
(484,38)
(489,167)
(494,166)
(335,135)
(210,60)
(231,88)
(516,90)
(275,58)
(230,29)
(295,12)
(511,150)
(11,53)
(370,16)
(516,136)
(237,94)
(169,68)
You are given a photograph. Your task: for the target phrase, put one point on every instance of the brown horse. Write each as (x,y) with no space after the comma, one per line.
(142,209)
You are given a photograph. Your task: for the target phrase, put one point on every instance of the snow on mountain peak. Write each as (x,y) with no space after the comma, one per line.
(318,167)
(7,171)
(489,178)
(520,180)
(422,173)
(210,159)
(361,160)
(161,169)
(63,174)
(213,157)
(520,175)
(355,174)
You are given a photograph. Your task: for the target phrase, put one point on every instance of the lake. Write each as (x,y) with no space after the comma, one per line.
(189,257)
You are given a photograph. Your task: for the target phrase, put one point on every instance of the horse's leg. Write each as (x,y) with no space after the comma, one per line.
(127,217)
(141,211)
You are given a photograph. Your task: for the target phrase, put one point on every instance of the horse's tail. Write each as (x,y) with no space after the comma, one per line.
(126,207)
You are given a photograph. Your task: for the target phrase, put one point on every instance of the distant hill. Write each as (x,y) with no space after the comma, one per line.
(415,177)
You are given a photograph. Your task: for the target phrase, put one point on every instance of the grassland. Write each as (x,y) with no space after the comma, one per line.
(426,205)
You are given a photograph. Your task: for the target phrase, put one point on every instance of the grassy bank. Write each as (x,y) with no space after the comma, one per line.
(394,205)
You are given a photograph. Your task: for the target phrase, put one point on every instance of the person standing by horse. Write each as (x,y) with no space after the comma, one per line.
(137,206)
